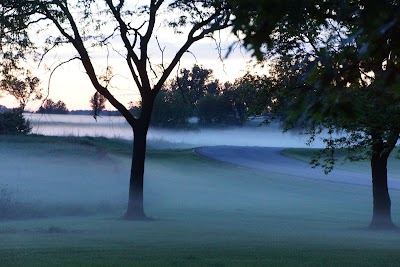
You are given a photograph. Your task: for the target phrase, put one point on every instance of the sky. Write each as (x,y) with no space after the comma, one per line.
(70,83)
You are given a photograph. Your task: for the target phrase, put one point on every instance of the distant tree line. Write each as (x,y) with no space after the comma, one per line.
(51,107)
(195,93)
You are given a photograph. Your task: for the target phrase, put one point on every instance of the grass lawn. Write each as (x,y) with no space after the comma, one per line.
(305,154)
(206,213)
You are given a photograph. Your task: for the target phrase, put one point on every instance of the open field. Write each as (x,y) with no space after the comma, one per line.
(206,213)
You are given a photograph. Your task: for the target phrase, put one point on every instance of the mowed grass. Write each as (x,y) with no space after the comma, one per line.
(306,154)
(206,213)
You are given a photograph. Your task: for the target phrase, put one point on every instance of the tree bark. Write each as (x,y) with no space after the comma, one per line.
(135,210)
(381,218)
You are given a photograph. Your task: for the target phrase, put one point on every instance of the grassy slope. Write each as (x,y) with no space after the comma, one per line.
(305,154)
(207,214)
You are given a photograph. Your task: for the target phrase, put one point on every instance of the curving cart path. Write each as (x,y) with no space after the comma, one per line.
(271,159)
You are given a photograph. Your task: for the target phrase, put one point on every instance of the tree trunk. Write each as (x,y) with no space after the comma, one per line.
(381,218)
(135,210)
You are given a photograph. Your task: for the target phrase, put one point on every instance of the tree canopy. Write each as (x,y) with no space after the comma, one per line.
(15,45)
(336,78)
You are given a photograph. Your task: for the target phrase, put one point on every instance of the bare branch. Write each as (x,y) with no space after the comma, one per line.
(56,23)
(154,6)
(194,56)
(162,53)
(124,35)
(121,3)
(52,72)
(151,67)
(144,42)
(55,44)
(88,65)
(218,25)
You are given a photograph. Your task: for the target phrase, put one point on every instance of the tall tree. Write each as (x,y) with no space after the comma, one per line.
(129,29)
(342,73)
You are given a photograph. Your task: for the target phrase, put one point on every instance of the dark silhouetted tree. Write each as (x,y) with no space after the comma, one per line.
(341,66)
(51,107)
(88,26)
(97,103)
(13,122)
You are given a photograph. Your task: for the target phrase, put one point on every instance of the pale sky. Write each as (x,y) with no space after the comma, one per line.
(70,83)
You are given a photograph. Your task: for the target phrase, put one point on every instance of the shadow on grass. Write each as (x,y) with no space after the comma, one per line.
(11,208)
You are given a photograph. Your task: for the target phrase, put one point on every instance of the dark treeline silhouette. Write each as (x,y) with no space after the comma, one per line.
(196,94)
(51,107)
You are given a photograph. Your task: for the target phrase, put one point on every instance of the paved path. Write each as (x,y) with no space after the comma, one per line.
(271,159)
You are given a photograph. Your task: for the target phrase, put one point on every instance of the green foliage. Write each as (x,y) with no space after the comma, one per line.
(51,107)
(13,122)
(342,82)
(170,110)
(255,93)
(22,89)
(215,103)
(196,83)
(14,48)
(14,39)
(216,110)
(255,22)
(193,12)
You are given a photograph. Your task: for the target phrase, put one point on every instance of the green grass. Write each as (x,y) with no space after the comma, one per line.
(119,146)
(212,256)
(110,145)
(206,213)
(305,154)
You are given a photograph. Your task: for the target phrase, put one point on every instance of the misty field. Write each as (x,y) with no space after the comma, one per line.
(63,198)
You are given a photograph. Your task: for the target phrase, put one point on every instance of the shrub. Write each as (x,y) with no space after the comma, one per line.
(13,122)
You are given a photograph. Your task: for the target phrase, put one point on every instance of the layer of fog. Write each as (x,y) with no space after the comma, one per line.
(116,127)
(195,202)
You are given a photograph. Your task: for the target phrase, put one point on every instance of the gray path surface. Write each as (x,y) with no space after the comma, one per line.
(271,159)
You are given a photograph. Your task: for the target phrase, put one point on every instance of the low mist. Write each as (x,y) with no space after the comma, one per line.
(266,198)
(251,134)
